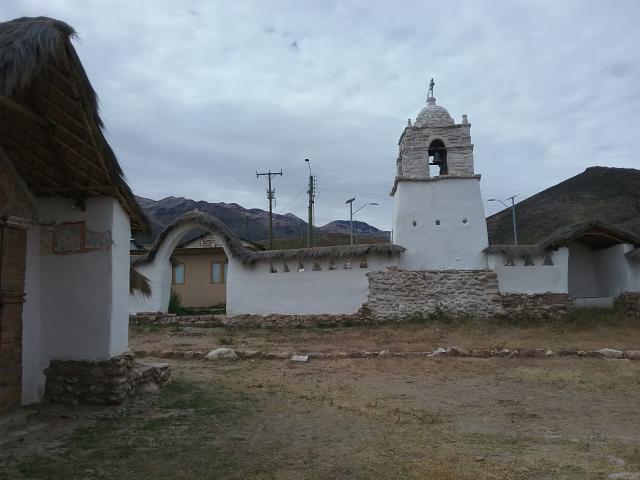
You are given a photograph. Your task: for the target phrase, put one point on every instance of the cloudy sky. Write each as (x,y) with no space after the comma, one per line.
(198,95)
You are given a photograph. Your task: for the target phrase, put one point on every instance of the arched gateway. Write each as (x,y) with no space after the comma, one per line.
(264,282)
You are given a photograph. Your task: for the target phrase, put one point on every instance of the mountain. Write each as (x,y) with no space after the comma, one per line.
(611,195)
(252,224)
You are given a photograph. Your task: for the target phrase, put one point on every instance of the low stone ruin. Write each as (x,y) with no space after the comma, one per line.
(107,382)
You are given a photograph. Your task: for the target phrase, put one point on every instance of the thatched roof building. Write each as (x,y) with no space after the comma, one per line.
(49,123)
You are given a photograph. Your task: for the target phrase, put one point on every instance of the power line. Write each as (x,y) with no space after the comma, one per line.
(271,195)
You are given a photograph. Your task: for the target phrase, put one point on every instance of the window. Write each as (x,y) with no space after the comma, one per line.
(178,274)
(218,272)
(437,159)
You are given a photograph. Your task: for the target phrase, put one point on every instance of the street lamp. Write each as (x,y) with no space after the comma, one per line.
(350,202)
(513,214)
(351,213)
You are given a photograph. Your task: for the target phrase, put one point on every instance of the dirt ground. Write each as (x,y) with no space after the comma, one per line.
(586,334)
(383,418)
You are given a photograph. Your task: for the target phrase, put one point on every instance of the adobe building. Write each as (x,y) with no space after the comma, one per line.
(66,216)
(440,260)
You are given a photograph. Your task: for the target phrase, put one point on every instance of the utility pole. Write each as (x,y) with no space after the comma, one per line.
(310,208)
(350,202)
(271,195)
(513,214)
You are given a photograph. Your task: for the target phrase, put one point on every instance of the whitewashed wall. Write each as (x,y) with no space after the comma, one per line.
(530,279)
(254,290)
(76,304)
(451,245)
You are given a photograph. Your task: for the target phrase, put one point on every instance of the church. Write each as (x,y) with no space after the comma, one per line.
(439,261)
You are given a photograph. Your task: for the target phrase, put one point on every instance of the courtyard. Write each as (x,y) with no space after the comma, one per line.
(355,418)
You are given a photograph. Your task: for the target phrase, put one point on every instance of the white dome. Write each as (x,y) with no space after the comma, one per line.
(434,116)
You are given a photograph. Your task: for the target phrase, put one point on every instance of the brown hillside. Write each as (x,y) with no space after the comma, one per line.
(610,195)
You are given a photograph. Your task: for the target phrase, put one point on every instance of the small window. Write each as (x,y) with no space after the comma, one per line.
(285,267)
(347,264)
(216,272)
(509,262)
(414,223)
(300,266)
(528,262)
(316,266)
(332,264)
(547,260)
(363,262)
(273,268)
(464,220)
(437,222)
(178,274)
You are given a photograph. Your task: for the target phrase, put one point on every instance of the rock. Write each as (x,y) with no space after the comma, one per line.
(624,476)
(222,354)
(457,352)
(632,354)
(384,353)
(549,353)
(300,358)
(481,353)
(611,353)
(617,461)
(438,352)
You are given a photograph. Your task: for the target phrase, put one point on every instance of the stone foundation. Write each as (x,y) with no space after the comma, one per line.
(538,305)
(397,294)
(628,303)
(108,382)
(253,321)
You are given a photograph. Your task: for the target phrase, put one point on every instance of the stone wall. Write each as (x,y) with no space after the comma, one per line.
(403,294)
(253,321)
(536,305)
(108,382)
(628,303)
(12,271)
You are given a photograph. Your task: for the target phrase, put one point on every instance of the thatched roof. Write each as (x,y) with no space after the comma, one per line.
(50,127)
(515,251)
(235,247)
(593,234)
(138,283)
(634,255)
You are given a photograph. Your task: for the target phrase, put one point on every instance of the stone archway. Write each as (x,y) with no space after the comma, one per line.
(156,265)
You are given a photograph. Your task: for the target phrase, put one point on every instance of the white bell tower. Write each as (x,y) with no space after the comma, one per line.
(438,215)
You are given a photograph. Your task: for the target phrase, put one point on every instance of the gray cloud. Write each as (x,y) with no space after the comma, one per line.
(198,95)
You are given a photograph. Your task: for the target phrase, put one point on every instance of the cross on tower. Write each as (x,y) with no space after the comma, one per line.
(431,85)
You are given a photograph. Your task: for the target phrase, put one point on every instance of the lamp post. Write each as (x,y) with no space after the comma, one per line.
(310,207)
(352,213)
(350,202)
(513,214)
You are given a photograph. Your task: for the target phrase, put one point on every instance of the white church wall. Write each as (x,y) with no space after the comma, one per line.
(614,269)
(255,290)
(441,223)
(531,279)
(32,358)
(79,290)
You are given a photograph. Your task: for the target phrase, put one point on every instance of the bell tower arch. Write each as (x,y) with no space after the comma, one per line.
(438,215)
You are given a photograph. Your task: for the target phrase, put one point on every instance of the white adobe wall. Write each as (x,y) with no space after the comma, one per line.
(33,363)
(76,304)
(452,245)
(254,290)
(536,278)
(159,274)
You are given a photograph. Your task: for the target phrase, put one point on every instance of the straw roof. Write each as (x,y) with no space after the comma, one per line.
(634,255)
(515,251)
(594,234)
(235,247)
(49,122)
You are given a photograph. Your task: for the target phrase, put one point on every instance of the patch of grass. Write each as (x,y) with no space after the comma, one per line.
(225,341)
(146,449)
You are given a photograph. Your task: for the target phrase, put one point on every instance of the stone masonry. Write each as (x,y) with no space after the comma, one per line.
(402,294)
(628,303)
(108,382)
(536,305)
